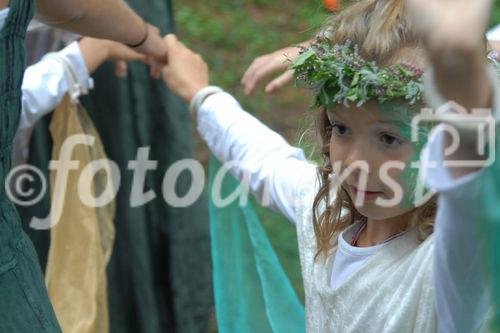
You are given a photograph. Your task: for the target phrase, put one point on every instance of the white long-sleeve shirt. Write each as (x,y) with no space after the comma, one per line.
(45,84)
(234,135)
(494,34)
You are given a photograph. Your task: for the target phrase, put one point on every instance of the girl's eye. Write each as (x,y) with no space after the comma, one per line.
(390,140)
(339,129)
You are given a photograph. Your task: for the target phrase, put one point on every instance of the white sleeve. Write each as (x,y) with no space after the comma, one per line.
(494,34)
(461,287)
(273,169)
(45,83)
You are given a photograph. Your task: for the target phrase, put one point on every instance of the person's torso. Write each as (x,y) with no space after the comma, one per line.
(391,291)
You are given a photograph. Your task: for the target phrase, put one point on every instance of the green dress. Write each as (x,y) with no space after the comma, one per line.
(24,303)
(159,276)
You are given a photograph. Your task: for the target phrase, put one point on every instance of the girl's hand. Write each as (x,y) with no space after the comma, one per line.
(153,46)
(266,65)
(453,32)
(97,51)
(155,49)
(186,73)
(450,23)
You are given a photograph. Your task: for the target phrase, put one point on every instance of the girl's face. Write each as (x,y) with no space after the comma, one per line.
(371,152)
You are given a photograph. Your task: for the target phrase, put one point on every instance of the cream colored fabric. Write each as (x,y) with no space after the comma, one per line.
(82,240)
(392,292)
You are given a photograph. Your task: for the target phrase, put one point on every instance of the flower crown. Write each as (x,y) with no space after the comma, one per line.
(339,75)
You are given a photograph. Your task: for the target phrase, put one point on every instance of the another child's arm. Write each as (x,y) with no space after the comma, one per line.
(453,32)
(454,36)
(266,65)
(45,84)
(274,169)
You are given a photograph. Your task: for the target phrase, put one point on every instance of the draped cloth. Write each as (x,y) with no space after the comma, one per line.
(252,291)
(159,275)
(82,238)
(489,222)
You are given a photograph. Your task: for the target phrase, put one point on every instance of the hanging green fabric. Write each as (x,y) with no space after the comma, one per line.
(489,219)
(252,291)
(24,303)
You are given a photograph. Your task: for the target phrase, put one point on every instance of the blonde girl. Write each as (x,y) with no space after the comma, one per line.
(368,266)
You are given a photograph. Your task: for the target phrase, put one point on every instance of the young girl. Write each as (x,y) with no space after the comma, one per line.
(367,265)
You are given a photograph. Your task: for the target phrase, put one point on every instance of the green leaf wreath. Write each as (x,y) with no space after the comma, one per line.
(339,75)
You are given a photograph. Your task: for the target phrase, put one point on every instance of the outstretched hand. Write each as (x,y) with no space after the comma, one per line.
(155,50)
(186,72)
(264,66)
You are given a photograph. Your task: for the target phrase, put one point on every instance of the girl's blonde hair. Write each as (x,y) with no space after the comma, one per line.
(384,35)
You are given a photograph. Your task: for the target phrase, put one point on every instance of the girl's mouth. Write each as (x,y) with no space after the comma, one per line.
(366,195)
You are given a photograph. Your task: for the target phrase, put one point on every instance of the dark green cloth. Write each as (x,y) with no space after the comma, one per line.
(160,271)
(24,303)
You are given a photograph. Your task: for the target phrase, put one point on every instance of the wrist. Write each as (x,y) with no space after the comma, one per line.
(200,97)
(144,37)
(94,52)
(194,91)
(461,75)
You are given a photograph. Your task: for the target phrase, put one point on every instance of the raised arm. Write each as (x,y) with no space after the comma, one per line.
(274,170)
(453,33)
(109,19)
(454,37)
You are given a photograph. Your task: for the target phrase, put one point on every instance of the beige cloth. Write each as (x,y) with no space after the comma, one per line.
(82,240)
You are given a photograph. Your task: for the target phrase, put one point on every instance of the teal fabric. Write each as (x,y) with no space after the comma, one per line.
(252,291)
(24,303)
(489,214)
(489,222)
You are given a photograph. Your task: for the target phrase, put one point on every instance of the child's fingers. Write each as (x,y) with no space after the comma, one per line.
(171,42)
(136,57)
(120,52)
(121,69)
(257,63)
(279,82)
(261,73)
(155,68)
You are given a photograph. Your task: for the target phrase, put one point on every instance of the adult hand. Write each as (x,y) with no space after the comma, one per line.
(154,47)
(186,72)
(266,65)
(96,51)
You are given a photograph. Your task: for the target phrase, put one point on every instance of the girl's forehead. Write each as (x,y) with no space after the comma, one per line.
(365,114)
(368,113)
